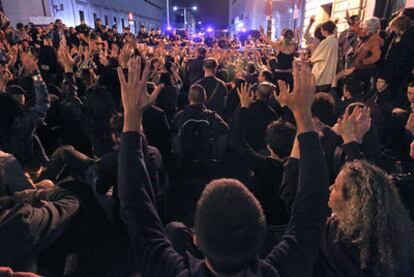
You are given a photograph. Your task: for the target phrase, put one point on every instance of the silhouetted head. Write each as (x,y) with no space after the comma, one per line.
(229,226)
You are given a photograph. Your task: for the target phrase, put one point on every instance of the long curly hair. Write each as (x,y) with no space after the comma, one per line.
(376,221)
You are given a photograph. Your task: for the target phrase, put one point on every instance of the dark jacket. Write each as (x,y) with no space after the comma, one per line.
(157,129)
(76,121)
(167,100)
(195,69)
(216,91)
(259,115)
(12,175)
(31,220)
(293,256)
(23,142)
(267,175)
(199,111)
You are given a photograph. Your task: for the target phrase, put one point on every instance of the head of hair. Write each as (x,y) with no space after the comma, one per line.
(288,34)
(197,94)
(376,221)
(401,22)
(324,108)
(250,68)
(318,32)
(238,82)
(202,51)
(411,84)
(353,87)
(210,64)
(264,90)
(267,75)
(280,135)
(329,26)
(372,24)
(98,104)
(229,225)
(19,26)
(384,23)
(272,62)
(165,78)
(409,12)
(223,75)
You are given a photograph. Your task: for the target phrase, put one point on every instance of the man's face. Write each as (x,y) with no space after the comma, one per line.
(410,94)
(381,84)
(59,24)
(99,23)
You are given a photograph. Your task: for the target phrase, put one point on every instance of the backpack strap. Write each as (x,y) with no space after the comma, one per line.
(214,93)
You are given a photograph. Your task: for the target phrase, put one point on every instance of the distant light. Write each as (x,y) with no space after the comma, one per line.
(199,22)
(210,30)
(169,28)
(175,8)
(290,10)
(225,30)
(244,30)
(200,34)
(195,8)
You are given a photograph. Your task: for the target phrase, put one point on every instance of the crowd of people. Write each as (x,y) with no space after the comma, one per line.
(157,155)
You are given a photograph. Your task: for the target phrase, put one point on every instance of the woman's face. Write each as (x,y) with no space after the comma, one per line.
(337,201)
(364,30)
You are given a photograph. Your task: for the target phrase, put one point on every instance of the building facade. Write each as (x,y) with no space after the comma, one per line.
(250,14)
(133,13)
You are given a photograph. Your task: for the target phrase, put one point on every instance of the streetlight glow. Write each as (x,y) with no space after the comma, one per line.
(175,8)
(195,8)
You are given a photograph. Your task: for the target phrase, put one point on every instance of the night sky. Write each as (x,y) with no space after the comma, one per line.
(210,12)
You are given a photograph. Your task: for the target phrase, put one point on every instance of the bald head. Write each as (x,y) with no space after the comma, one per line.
(197,95)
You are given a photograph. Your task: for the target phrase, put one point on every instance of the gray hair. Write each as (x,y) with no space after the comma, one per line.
(372,24)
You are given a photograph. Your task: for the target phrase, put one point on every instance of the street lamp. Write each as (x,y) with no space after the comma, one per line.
(194,8)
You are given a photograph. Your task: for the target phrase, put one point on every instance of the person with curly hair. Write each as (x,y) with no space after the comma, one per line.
(369,232)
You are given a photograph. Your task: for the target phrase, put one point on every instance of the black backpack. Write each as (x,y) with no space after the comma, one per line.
(197,145)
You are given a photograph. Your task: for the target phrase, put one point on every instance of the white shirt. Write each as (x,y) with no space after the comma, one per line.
(324,60)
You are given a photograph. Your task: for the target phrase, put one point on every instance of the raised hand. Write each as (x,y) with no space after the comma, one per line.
(301,99)
(245,95)
(312,19)
(65,58)
(134,94)
(29,63)
(346,125)
(125,55)
(410,124)
(261,30)
(362,123)
(5,77)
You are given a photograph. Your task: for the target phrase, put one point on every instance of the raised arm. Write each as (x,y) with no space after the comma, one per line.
(267,40)
(137,199)
(296,253)
(253,158)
